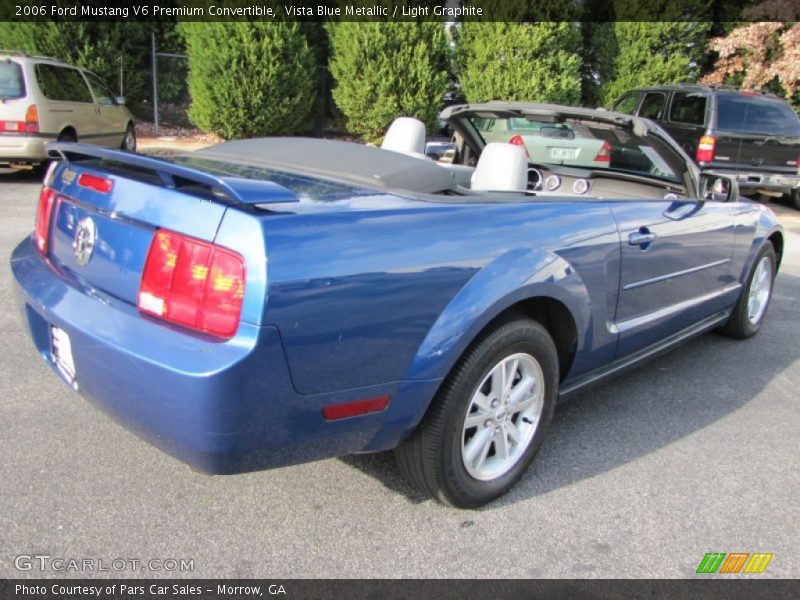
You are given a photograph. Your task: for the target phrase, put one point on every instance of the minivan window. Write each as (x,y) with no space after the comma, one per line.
(653,105)
(756,114)
(101,93)
(62,83)
(628,104)
(688,107)
(12,84)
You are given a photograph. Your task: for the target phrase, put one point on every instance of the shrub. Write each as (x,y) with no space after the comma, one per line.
(250,78)
(538,62)
(385,69)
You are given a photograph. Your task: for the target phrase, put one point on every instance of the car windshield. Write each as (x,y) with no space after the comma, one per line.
(580,143)
(12,85)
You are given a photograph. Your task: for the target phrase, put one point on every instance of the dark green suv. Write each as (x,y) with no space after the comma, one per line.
(753,136)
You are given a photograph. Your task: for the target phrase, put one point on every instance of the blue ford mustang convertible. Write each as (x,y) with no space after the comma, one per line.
(270,301)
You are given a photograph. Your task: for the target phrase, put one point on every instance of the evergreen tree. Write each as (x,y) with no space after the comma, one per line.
(250,78)
(383,70)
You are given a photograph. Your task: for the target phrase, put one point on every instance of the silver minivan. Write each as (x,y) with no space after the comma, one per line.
(45,99)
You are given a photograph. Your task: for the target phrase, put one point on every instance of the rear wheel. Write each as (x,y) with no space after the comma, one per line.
(489,418)
(67,136)
(751,308)
(129,140)
(794,198)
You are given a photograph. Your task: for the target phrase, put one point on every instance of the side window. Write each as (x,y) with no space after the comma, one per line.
(653,106)
(483,123)
(627,104)
(101,92)
(688,107)
(62,83)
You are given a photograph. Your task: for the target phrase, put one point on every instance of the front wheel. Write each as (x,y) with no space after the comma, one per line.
(488,419)
(129,139)
(751,308)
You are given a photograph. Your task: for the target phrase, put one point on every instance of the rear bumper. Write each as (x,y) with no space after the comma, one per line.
(222,407)
(22,149)
(750,181)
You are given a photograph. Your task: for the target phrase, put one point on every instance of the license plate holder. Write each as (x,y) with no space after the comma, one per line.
(563,153)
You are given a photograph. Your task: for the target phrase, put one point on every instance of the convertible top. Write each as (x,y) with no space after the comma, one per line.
(341,161)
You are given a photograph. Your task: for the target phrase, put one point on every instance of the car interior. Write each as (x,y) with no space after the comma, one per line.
(504,168)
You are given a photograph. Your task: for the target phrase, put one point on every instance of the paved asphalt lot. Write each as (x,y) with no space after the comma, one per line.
(694,452)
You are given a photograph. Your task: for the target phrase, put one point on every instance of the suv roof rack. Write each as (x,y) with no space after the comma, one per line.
(709,86)
(26,55)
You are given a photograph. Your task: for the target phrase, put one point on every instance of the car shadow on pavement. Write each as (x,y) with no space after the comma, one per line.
(647,408)
(20,176)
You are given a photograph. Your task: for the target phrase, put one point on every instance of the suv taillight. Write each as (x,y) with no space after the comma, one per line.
(193,283)
(706,148)
(44,213)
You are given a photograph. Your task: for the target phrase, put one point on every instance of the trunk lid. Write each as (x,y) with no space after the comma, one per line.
(109,205)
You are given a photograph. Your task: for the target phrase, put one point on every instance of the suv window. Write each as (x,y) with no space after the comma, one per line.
(101,92)
(755,114)
(62,83)
(627,104)
(688,107)
(653,105)
(12,85)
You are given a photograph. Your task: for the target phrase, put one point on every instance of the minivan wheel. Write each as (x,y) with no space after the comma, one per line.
(488,420)
(68,137)
(129,140)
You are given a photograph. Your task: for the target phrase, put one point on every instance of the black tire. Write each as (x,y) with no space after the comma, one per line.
(739,325)
(67,136)
(129,139)
(431,459)
(794,198)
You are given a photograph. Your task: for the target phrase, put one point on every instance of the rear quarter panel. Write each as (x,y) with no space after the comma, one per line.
(369,297)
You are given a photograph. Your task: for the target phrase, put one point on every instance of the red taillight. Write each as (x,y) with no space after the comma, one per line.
(516,140)
(604,154)
(32,119)
(29,125)
(193,283)
(334,412)
(43,214)
(706,148)
(93,182)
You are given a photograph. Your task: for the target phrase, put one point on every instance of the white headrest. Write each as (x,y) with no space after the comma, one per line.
(405,135)
(501,168)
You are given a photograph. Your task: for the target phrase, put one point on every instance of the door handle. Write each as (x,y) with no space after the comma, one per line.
(642,237)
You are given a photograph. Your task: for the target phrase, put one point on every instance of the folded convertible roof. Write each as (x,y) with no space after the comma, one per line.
(340,161)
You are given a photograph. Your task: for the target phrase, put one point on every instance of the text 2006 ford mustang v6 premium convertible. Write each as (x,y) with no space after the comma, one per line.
(270,301)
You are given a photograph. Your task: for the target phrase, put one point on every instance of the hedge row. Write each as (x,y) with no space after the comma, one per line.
(266,78)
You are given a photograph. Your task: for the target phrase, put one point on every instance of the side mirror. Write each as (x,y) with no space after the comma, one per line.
(120,100)
(718,188)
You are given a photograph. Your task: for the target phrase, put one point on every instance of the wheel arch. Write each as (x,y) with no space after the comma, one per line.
(68,129)
(554,295)
(776,239)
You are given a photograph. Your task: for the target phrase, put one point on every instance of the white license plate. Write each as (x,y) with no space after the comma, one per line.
(563,153)
(61,348)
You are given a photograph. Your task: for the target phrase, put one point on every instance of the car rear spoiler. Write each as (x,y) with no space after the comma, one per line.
(236,189)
